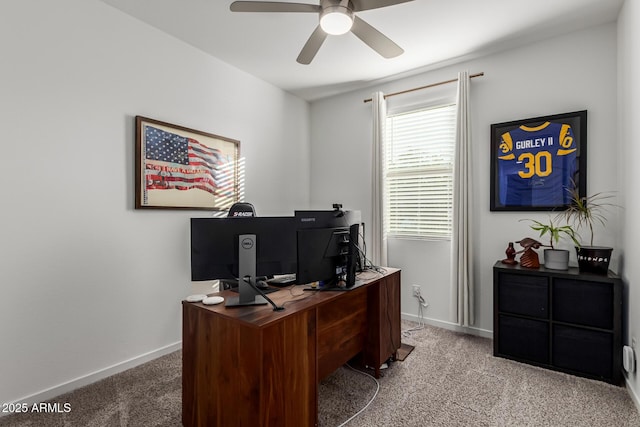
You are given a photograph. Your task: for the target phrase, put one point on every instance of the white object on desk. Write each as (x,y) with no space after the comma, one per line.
(212,300)
(196,298)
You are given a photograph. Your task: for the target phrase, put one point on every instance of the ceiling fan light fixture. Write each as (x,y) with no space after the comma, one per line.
(336,20)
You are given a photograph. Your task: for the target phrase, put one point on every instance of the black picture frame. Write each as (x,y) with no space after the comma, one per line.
(527,175)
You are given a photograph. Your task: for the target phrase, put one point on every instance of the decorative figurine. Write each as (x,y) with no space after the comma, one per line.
(529,257)
(511,255)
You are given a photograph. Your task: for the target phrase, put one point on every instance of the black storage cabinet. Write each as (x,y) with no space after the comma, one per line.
(559,319)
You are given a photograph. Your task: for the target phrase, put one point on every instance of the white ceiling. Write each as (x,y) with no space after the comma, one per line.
(432,33)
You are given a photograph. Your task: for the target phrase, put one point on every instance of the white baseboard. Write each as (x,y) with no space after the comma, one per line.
(93,377)
(449,325)
(632,393)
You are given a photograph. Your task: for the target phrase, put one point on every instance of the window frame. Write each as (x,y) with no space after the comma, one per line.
(426,171)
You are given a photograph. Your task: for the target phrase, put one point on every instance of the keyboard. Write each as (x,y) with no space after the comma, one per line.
(283,280)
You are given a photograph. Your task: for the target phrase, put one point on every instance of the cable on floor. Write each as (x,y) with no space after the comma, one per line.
(370,401)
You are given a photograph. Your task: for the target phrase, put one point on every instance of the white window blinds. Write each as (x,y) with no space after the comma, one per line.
(419,154)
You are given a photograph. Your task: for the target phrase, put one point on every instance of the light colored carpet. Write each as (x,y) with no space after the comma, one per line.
(452,379)
(449,379)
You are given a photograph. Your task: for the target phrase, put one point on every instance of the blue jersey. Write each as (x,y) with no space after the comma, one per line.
(536,165)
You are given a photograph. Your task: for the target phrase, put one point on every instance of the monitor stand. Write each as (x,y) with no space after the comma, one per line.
(247,295)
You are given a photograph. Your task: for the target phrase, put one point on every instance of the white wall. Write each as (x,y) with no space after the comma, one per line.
(563,74)
(88,282)
(629,111)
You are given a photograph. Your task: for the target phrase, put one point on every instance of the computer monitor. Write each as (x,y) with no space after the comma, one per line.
(318,250)
(243,249)
(327,247)
(326,218)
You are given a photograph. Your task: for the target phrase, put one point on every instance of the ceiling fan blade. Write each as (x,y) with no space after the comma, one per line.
(312,46)
(375,39)
(273,6)
(359,5)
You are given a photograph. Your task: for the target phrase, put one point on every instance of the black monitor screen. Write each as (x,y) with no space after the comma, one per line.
(327,246)
(320,253)
(214,246)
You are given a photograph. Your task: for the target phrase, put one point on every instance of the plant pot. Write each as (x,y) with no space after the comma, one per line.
(594,259)
(556,259)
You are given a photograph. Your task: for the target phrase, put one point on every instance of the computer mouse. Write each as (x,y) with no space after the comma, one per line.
(261,284)
(212,300)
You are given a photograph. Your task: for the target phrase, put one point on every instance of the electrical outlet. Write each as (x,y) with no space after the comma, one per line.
(416,290)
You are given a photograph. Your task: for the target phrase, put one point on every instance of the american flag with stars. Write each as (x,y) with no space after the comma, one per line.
(178,162)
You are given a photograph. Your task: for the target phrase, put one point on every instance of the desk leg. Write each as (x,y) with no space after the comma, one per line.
(383,321)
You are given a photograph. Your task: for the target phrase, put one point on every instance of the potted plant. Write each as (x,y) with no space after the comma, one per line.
(556,259)
(587,212)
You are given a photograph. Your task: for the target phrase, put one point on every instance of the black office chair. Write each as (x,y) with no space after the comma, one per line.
(241,209)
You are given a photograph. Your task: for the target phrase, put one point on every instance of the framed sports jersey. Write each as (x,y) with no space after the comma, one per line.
(536,162)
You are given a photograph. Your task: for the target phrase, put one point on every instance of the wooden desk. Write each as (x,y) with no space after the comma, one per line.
(252,366)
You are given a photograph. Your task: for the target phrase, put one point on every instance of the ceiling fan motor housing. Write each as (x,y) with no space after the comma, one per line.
(328,3)
(336,17)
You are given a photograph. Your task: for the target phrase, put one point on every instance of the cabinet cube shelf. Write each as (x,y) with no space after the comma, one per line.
(562,320)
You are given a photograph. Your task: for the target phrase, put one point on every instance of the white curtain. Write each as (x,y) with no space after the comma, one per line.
(462,300)
(378,237)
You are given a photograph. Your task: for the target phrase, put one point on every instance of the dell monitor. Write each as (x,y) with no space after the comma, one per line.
(246,248)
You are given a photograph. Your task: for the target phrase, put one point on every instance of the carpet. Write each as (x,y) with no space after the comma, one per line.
(450,380)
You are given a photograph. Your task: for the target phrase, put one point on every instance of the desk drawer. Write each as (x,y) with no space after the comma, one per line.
(341,331)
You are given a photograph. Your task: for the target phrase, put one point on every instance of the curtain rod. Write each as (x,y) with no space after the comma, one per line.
(425,87)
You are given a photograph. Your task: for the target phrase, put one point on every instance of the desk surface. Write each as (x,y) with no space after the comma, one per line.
(292,297)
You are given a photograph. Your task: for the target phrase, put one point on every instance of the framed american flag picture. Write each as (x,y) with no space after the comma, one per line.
(536,163)
(182,168)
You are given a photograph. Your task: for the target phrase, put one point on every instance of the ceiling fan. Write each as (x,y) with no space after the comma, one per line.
(336,17)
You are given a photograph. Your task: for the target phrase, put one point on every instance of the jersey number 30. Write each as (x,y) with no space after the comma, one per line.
(538,164)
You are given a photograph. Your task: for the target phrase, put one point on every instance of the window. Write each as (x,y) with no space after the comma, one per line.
(419,155)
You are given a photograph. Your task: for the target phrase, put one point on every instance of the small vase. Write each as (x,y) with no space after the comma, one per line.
(511,255)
